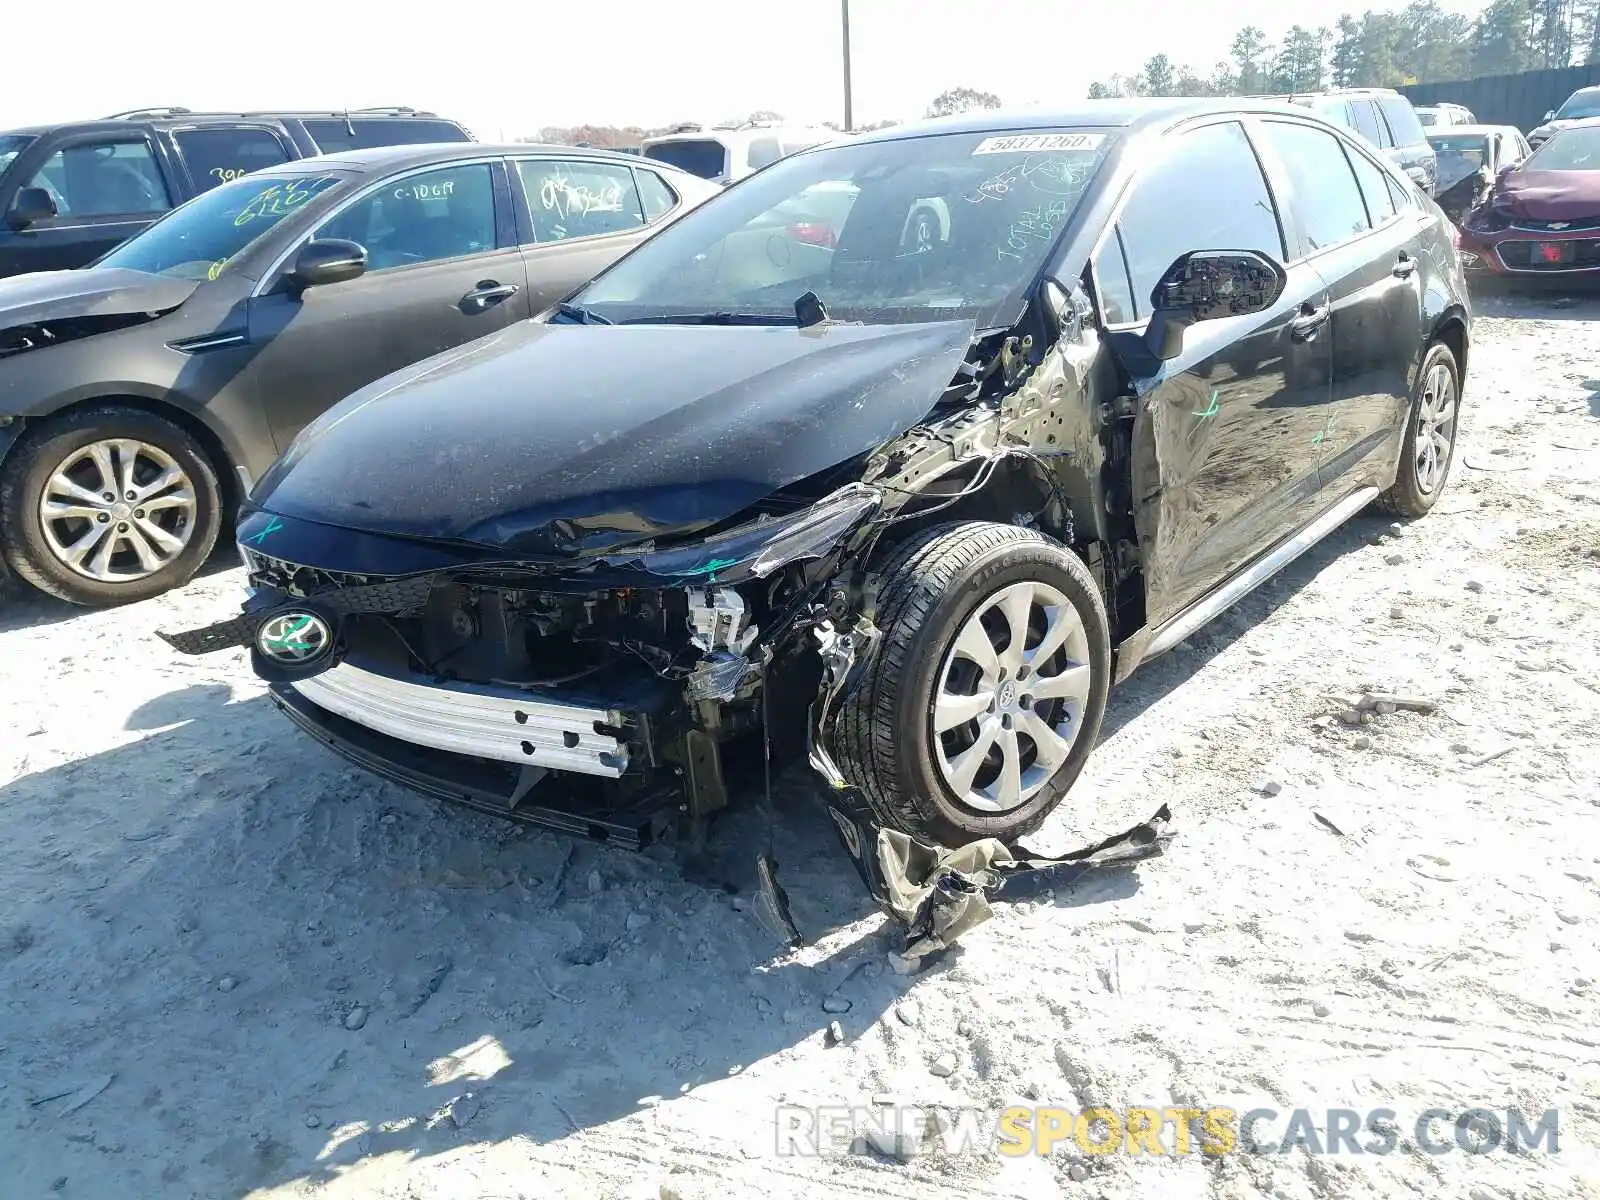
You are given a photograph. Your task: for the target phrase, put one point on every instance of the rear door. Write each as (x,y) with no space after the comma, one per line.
(576,217)
(1224,462)
(107,187)
(1369,255)
(443,269)
(216,154)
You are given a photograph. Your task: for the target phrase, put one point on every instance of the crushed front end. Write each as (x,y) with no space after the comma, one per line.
(600,697)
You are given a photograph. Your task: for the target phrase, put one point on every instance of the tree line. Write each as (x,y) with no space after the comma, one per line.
(1420,43)
(616,137)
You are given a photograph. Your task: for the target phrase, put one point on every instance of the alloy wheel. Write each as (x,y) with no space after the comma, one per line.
(1436,428)
(117,511)
(1011,696)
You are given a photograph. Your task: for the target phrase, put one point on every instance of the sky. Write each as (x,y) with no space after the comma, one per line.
(505,70)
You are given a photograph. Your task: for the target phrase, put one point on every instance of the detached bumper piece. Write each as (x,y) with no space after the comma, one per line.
(479,721)
(241,631)
(497,750)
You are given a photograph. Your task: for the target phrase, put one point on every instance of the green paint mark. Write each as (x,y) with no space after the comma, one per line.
(1323,432)
(272,527)
(1211,409)
(290,639)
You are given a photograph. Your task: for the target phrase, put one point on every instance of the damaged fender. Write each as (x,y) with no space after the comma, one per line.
(936,893)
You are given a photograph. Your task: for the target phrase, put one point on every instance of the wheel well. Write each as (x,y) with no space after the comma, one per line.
(204,436)
(1452,331)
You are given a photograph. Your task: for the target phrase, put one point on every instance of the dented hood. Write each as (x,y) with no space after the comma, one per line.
(1549,195)
(565,440)
(89,292)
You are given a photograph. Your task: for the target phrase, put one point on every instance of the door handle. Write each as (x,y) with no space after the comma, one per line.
(488,292)
(1304,327)
(1404,266)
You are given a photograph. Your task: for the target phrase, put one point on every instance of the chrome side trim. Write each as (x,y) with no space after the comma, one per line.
(1257,573)
(463,718)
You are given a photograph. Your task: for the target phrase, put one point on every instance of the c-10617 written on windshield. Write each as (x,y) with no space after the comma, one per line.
(1030,143)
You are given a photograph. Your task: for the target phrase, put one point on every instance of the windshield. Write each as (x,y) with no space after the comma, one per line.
(197,239)
(11,145)
(1569,150)
(705,158)
(1578,106)
(1459,155)
(936,228)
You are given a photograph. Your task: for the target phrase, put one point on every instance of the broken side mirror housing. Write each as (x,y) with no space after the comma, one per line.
(32,204)
(1208,285)
(330,260)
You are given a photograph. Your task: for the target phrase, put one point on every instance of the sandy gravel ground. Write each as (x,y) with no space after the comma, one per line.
(230,966)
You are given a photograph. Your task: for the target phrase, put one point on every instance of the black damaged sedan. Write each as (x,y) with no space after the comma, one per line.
(899,453)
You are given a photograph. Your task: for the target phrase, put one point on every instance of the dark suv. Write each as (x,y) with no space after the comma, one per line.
(69,193)
(915,495)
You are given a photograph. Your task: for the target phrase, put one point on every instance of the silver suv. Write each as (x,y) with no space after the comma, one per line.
(727,153)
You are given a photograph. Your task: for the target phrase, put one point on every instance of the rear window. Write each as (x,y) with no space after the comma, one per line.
(703,157)
(1402,120)
(337,134)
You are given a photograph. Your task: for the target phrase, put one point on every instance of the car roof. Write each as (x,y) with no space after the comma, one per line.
(422,154)
(1133,113)
(736,132)
(166,118)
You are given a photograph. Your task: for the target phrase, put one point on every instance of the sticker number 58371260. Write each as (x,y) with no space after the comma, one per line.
(1032,143)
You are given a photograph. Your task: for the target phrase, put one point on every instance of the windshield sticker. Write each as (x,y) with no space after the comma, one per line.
(1053,174)
(279,200)
(228,174)
(1031,143)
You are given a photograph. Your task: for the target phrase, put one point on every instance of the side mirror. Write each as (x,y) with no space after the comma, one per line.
(32,204)
(333,260)
(1208,285)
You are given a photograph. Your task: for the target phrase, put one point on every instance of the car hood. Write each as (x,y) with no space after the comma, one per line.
(566,440)
(1549,195)
(90,292)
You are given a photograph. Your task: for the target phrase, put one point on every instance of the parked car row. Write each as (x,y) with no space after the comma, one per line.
(142,397)
(71,192)
(904,448)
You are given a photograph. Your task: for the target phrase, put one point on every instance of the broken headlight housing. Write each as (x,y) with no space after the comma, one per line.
(756,550)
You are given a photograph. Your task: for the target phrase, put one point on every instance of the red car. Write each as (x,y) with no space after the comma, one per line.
(1543,216)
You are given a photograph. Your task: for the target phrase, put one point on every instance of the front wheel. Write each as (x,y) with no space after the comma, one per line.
(983,698)
(1430,441)
(108,506)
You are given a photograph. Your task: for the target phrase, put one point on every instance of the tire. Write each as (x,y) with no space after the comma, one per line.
(177,531)
(1417,487)
(885,737)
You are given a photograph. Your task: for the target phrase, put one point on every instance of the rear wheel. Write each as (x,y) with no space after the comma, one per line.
(108,506)
(1430,441)
(984,696)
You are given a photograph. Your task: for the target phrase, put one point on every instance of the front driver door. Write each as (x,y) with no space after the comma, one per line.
(1224,464)
(442,269)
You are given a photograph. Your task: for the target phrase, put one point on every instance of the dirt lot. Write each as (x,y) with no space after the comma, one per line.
(229,965)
